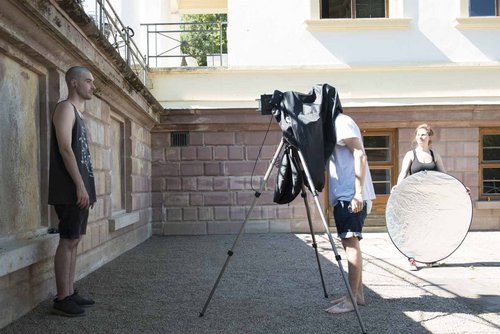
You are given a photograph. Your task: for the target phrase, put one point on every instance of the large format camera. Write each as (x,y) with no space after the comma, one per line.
(268,102)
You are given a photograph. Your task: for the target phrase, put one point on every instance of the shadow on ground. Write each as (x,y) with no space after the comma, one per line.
(272,285)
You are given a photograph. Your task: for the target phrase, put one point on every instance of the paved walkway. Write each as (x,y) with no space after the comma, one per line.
(272,285)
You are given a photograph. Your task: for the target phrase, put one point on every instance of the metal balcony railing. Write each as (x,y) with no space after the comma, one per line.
(119,35)
(186,44)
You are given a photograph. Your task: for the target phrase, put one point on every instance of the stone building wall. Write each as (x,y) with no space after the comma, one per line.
(208,186)
(205,187)
(39,41)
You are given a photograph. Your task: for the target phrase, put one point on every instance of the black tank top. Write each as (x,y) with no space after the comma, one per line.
(62,189)
(417,166)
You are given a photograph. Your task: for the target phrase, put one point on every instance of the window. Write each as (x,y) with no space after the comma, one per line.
(490,164)
(117,163)
(380,149)
(483,7)
(346,9)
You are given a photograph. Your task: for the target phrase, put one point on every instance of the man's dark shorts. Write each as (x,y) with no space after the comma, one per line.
(348,224)
(72,221)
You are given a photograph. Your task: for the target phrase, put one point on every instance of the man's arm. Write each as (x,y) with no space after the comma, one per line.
(63,119)
(355,146)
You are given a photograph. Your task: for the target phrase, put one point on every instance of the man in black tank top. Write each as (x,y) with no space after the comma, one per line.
(71,186)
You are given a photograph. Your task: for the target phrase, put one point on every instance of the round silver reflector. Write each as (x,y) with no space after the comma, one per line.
(428,216)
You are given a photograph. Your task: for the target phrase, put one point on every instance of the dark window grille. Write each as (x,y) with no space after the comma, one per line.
(179,139)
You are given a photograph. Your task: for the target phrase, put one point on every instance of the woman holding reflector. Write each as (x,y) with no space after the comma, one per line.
(419,159)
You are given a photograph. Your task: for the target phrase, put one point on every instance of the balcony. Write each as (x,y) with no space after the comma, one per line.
(102,13)
(190,44)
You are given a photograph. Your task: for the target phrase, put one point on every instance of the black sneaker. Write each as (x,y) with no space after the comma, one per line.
(81,301)
(68,307)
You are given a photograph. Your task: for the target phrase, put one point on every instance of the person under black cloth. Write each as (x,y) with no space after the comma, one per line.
(351,192)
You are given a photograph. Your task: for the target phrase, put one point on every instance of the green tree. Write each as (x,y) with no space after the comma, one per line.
(205,34)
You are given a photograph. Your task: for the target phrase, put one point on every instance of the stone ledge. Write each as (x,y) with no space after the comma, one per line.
(487,205)
(21,253)
(280,226)
(257,226)
(184,228)
(123,220)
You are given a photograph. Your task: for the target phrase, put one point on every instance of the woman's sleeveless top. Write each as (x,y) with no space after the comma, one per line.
(417,166)
(62,189)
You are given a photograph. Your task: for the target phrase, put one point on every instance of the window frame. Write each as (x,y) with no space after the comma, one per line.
(353,12)
(483,164)
(392,163)
(122,177)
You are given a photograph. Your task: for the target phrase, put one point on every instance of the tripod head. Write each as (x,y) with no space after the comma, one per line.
(268,102)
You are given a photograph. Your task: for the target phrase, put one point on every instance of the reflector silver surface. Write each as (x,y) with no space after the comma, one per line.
(428,216)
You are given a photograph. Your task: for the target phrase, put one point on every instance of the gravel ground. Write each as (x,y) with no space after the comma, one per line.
(272,285)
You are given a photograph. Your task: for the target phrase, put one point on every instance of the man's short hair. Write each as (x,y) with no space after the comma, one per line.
(74,73)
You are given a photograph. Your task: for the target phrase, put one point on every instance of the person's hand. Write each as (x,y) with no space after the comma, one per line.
(356,204)
(82,198)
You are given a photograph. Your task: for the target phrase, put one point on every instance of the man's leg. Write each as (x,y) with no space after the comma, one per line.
(71,219)
(63,265)
(64,304)
(71,276)
(361,293)
(354,268)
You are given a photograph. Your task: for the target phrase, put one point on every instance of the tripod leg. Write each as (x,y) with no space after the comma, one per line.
(314,244)
(242,229)
(330,238)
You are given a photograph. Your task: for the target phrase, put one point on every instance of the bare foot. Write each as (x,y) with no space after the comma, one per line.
(360,301)
(342,307)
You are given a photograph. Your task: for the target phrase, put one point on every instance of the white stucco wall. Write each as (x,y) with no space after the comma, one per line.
(361,86)
(134,13)
(425,52)
(288,33)
(272,33)
(275,33)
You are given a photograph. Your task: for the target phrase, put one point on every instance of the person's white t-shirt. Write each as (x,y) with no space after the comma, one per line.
(341,164)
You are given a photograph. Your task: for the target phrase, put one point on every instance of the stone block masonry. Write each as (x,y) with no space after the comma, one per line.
(208,186)
(218,172)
